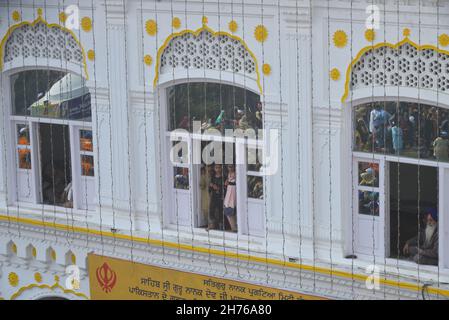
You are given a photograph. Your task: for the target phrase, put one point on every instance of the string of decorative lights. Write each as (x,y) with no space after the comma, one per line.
(265,127)
(4,147)
(128,126)
(330,142)
(314,255)
(398,181)
(298,128)
(108,81)
(281,134)
(351,166)
(96,129)
(159,126)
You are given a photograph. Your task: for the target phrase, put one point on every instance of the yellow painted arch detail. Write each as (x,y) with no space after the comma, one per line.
(238,256)
(196,33)
(49,25)
(46,286)
(384,44)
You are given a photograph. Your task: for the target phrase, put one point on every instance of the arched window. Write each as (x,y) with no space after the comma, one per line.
(53,141)
(401,179)
(214,179)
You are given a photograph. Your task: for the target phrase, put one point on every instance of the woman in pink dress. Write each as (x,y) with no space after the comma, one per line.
(230,199)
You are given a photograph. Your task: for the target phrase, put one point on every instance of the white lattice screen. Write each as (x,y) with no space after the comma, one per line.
(404,66)
(207,51)
(42,41)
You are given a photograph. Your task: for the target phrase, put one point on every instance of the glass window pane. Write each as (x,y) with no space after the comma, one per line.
(23,135)
(87,165)
(368,174)
(181,178)
(24,158)
(50,94)
(255,187)
(369,203)
(212,106)
(86,140)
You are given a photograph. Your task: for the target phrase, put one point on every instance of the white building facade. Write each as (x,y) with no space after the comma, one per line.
(91,92)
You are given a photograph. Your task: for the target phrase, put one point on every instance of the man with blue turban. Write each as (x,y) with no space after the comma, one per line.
(423,249)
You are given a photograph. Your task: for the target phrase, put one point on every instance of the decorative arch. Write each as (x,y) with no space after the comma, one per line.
(38,291)
(399,64)
(206,48)
(42,40)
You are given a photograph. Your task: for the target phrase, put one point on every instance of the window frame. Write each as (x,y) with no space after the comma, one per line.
(74,126)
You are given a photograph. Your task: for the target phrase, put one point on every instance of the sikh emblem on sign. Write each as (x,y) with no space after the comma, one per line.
(106,277)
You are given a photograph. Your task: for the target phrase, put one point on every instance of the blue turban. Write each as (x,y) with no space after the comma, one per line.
(433,212)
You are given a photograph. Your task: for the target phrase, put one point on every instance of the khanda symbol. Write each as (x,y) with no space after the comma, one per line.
(106,277)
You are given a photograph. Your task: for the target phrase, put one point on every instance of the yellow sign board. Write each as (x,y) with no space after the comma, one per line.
(115,279)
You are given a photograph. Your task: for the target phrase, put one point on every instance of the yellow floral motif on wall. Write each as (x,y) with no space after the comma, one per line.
(38,277)
(340,39)
(13,279)
(151,27)
(335,74)
(40,12)
(406,32)
(233,26)
(266,69)
(261,33)
(91,55)
(443,40)
(148,60)
(16,16)
(63,17)
(205,20)
(86,24)
(370,35)
(176,23)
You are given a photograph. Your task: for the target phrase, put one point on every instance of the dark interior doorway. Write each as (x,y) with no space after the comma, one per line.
(56,175)
(412,190)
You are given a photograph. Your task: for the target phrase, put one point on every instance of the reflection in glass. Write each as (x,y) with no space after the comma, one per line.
(369,203)
(181,178)
(86,140)
(406,129)
(255,187)
(50,94)
(23,135)
(368,174)
(87,165)
(214,106)
(24,158)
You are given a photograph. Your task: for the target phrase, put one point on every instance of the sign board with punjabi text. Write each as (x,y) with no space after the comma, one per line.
(116,279)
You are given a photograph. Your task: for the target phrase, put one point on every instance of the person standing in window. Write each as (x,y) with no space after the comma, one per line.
(231,199)
(216,198)
(441,147)
(206,174)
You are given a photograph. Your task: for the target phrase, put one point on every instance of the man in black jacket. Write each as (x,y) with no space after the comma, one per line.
(423,249)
